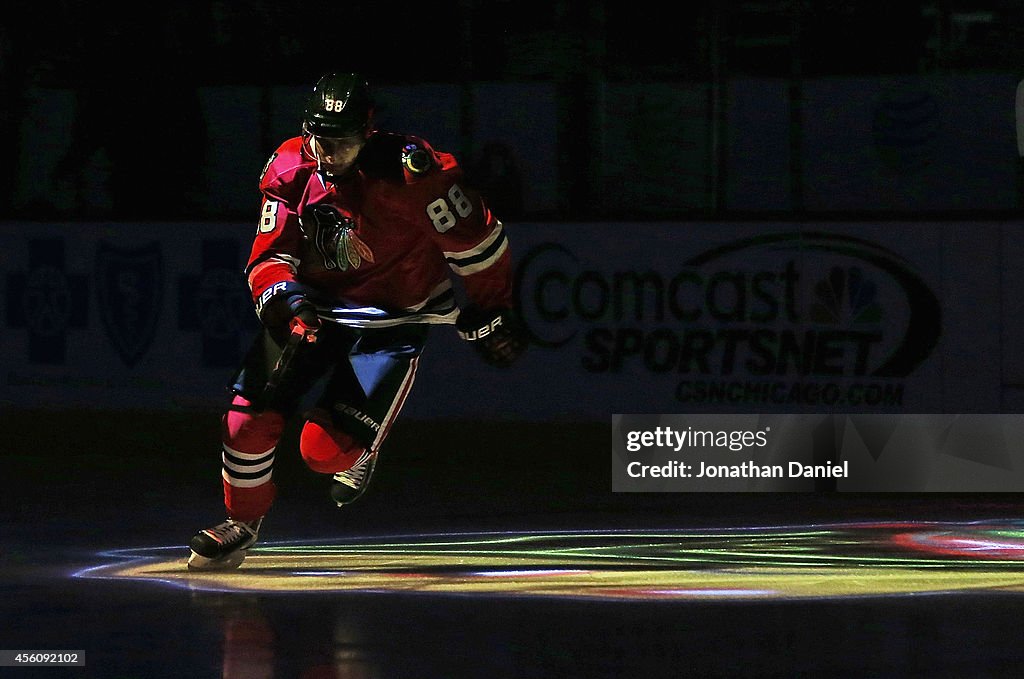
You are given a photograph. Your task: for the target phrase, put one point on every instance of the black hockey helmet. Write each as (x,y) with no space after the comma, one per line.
(340,105)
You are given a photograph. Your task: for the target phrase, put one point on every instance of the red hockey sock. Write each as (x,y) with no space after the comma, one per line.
(249,440)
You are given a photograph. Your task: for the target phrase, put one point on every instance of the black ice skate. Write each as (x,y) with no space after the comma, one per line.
(347,486)
(223,546)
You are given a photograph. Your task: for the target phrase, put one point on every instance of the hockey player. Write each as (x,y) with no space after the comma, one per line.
(359,233)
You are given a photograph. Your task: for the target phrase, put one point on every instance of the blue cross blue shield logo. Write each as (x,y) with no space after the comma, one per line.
(129,288)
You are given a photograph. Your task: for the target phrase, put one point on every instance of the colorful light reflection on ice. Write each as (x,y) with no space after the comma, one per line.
(786,562)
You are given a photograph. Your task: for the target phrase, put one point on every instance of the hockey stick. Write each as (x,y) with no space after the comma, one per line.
(298,337)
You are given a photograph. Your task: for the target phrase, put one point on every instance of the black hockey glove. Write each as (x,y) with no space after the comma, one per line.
(286,311)
(496,334)
(304,320)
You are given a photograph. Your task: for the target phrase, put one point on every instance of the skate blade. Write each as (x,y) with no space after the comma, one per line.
(197,562)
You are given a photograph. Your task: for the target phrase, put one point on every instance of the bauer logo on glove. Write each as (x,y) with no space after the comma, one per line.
(496,334)
(474,334)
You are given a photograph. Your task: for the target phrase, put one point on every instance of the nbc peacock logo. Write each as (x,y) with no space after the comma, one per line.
(846,297)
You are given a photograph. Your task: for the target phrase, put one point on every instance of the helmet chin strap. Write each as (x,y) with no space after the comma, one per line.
(310,143)
(316,154)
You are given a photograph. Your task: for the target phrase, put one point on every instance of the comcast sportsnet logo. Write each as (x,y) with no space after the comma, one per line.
(780,309)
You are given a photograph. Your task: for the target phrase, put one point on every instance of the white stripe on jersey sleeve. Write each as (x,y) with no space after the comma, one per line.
(481,256)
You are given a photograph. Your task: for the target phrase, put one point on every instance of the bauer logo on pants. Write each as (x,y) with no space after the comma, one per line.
(129,288)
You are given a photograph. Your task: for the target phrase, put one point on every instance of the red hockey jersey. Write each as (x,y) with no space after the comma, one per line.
(395,230)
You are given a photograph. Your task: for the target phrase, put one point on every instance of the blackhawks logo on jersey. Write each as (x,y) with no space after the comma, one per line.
(334,237)
(349,250)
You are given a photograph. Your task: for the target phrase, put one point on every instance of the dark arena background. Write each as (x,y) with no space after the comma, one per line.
(750,209)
